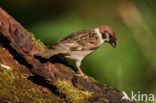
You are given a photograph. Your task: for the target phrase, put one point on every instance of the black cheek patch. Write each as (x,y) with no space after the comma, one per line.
(110,36)
(103,35)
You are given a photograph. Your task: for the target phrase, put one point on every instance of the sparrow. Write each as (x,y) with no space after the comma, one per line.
(82,43)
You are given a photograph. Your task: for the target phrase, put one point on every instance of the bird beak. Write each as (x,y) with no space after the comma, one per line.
(113,43)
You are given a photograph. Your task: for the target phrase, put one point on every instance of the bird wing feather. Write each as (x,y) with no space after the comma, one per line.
(82,40)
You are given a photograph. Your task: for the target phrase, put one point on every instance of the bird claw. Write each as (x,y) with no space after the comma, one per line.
(80,74)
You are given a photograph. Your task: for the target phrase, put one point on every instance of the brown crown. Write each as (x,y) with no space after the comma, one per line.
(108,29)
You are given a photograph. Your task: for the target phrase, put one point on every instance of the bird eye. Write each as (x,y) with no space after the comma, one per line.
(103,35)
(110,36)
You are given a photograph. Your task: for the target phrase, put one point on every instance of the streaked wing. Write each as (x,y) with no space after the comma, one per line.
(83,40)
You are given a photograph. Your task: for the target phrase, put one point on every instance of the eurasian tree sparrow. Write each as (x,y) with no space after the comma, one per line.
(80,44)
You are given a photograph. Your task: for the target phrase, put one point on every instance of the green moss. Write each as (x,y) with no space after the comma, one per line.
(37,101)
(38,44)
(91,79)
(65,68)
(6,87)
(72,94)
(15,87)
(70,70)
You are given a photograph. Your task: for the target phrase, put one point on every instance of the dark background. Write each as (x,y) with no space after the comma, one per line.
(129,67)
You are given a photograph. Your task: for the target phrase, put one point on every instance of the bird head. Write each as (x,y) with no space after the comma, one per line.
(108,34)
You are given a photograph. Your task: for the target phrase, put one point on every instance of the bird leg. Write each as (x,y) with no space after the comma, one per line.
(78,64)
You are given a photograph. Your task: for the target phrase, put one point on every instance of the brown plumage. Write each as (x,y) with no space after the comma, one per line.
(83,40)
(80,44)
(108,29)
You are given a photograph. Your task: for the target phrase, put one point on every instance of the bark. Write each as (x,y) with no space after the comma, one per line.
(35,79)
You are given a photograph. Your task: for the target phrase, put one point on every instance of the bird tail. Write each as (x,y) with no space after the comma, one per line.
(48,53)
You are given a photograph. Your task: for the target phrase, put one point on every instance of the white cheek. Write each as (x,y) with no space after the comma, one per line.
(99,36)
(107,37)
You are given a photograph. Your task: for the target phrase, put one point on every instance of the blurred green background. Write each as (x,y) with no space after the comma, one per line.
(129,67)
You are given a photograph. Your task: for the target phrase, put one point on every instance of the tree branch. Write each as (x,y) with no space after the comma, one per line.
(74,88)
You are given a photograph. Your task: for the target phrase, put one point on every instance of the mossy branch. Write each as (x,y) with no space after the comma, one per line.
(58,78)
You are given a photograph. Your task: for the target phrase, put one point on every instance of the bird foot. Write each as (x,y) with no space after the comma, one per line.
(82,75)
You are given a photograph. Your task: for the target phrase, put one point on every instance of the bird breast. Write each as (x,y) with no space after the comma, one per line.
(78,55)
